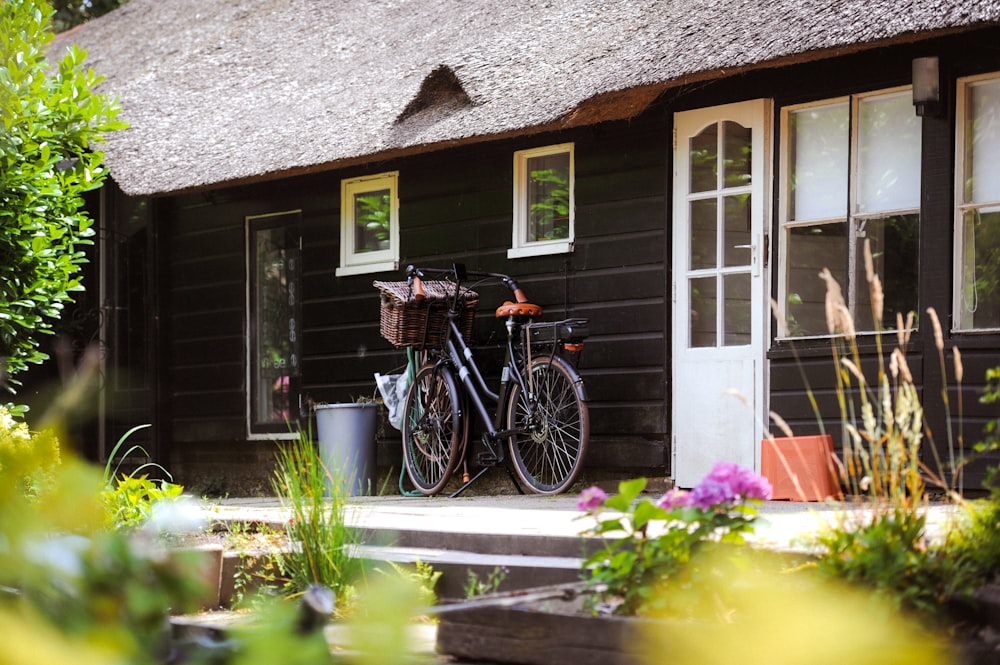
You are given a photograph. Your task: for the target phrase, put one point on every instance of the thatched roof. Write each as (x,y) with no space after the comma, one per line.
(235,90)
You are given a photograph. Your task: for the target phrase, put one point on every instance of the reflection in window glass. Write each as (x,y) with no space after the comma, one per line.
(703,308)
(371,221)
(835,157)
(274,319)
(819,139)
(703,234)
(809,250)
(736,310)
(888,154)
(978,234)
(704,157)
(980,278)
(737,157)
(548,197)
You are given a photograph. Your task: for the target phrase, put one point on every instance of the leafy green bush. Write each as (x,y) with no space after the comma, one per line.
(51,121)
(130,498)
(653,542)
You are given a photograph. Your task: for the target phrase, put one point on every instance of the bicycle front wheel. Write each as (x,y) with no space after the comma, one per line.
(431,428)
(551,427)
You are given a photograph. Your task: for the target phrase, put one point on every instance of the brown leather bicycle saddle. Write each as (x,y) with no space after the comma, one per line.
(518,309)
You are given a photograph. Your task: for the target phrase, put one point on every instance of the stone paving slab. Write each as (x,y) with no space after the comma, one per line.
(783,524)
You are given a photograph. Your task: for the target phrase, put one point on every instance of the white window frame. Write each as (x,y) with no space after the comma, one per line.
(255,432)
(960,206)
(358,263)
(520,245)
(852,216)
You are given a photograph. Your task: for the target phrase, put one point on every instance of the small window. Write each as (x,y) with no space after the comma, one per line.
(543,201)
(977,223)
(850,172)
(274,368)
(369,224)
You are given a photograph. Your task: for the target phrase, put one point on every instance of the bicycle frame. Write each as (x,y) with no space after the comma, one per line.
(458,356)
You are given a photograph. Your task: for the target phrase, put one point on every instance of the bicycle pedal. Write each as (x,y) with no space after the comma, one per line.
(486,458)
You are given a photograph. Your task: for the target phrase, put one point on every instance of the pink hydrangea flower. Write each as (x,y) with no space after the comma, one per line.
(591,498)
(675,498)
(729,483)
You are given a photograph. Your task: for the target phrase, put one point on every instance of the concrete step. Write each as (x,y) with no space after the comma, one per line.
(462,570)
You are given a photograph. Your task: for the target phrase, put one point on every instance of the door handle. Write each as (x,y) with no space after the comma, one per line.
(753,255)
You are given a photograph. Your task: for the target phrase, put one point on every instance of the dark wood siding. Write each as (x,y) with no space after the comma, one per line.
(454,206)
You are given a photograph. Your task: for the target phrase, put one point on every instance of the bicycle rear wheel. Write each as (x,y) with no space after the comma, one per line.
(432,429)
(552,429)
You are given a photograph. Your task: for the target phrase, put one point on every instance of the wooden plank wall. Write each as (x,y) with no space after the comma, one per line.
(616,276)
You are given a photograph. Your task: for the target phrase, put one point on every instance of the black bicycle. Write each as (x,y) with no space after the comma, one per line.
(537,423)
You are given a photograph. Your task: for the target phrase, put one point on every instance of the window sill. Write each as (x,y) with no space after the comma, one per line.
(819,345)
(272,436)
(541,249)
(362,269)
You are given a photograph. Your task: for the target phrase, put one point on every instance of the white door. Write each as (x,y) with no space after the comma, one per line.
(719,304)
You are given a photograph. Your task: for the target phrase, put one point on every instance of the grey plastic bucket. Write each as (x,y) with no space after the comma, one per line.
(347,444)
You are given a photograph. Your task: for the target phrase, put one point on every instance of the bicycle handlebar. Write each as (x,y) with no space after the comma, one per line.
(415,276)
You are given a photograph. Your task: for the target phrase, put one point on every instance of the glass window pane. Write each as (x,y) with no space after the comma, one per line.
(548,197)
(982,142)
(371,221)
(888,154)
(703,307)
(736,244)
(894,241)
(736,313)
(980,285)
(737,142)
(704,239)
(819,141)
(276,338)
(704,160)
(810,249)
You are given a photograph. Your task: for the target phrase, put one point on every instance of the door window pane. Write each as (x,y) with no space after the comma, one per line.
(704,239)
(736,146)
(737,241)
(736,312)
(704,157)
(702,318)
(888,154)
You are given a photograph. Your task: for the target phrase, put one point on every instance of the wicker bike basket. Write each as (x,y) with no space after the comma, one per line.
(405,321)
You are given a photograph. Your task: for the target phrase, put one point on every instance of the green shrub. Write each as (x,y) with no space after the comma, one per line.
(321,540)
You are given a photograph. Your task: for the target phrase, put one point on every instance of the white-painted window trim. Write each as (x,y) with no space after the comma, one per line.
(851,218)
(961,206)
(353,262)
(521,247)
(250,334)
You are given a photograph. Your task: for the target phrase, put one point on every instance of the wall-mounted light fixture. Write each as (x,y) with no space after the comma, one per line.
(926,86)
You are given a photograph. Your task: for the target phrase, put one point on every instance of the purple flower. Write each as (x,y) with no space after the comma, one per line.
(591,498)
(675,498)
(711,492)
(728,482)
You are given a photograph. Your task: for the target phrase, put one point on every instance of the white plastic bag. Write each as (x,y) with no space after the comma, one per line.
(393,389)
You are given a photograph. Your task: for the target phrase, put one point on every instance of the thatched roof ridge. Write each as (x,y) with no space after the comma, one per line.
(237,90)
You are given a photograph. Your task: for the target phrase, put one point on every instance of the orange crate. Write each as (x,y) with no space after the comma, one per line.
(800,468)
